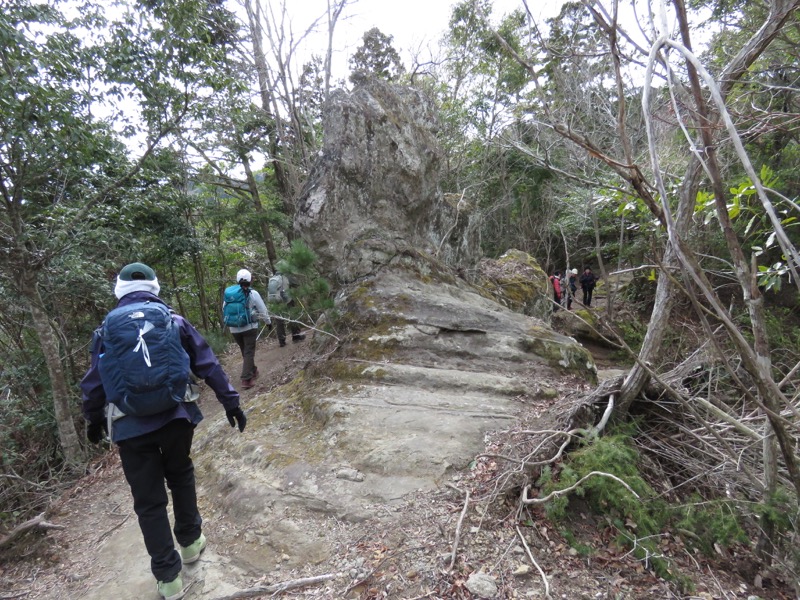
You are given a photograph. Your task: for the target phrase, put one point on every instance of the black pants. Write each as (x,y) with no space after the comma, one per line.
(246,340)
(587,294)
(148,461)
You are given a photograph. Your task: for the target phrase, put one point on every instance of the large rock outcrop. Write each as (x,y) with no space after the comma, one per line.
(374,192)
(423,362)
(420,366)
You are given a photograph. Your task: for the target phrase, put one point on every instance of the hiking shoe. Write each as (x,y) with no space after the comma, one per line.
(191,553)
(298,338)
(282,343)
(171,590)
(247,383)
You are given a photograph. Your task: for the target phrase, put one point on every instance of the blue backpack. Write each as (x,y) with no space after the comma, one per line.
(144,368)
(236,312)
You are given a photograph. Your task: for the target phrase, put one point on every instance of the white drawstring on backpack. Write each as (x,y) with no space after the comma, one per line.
(143,344)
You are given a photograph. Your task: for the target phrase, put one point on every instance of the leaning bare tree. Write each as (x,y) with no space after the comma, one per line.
(290,147)
(676,84)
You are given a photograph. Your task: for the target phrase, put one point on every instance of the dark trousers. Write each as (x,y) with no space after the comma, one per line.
(246,340)
(148,461)
(280,325)
(587,294)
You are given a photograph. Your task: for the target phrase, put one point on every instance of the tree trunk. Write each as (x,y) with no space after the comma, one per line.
(264,85)
(597,248)
(199,275)
(178,296)
(252,185)
(67,434)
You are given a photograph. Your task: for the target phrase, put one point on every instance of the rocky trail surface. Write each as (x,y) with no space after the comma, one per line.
(354,535)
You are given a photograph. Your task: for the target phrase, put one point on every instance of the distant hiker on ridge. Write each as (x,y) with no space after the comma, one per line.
(555,280)
(138,390)
(572,287)
(588,281)
(278,294)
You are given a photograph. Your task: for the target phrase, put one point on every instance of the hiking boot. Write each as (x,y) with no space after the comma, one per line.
(191,553)
(281,343)
(171,590)
(298,338)
(248,383)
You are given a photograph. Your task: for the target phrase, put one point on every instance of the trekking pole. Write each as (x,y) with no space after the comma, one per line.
(262,331)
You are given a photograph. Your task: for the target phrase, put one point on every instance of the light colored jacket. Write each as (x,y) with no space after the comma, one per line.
(257,309)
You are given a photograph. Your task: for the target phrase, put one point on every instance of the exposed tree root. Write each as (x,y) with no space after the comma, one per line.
(37,522)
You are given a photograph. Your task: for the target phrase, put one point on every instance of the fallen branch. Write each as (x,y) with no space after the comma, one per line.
(113,529)
(37,522)
(535,564)
(11,595)
(277,588)
(557,493)
(458,525)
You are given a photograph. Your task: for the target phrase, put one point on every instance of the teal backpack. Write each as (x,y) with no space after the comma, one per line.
(236,312)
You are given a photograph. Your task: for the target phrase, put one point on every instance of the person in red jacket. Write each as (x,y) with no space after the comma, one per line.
(555,280)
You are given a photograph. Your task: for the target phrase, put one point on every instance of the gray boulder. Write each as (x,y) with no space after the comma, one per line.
(374,192)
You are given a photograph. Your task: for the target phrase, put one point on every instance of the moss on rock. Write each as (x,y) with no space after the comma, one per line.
(518,282)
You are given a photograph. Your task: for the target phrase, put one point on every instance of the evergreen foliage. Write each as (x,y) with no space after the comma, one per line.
(639,523)
(311,292)
(376,57)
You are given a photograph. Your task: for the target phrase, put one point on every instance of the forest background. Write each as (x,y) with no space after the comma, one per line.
(597,137)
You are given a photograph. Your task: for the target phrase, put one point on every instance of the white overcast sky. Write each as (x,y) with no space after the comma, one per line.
(412,23)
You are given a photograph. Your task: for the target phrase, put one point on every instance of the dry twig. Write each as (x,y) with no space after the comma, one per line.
(557,493)
(458,526)
(535,564)
(278,588)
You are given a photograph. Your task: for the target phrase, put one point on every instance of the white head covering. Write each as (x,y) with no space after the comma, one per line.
(136,277)
(243,274)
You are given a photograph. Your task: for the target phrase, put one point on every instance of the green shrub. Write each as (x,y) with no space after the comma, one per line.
(638,521)
(218,339)
(311,293)
(708,523)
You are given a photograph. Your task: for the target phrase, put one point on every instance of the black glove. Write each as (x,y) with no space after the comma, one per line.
(96,432)
(236,417)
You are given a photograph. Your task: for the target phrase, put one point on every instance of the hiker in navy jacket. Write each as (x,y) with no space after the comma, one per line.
(156,448)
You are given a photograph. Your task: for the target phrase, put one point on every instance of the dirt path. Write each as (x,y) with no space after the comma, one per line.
(100,553)
(404,552)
